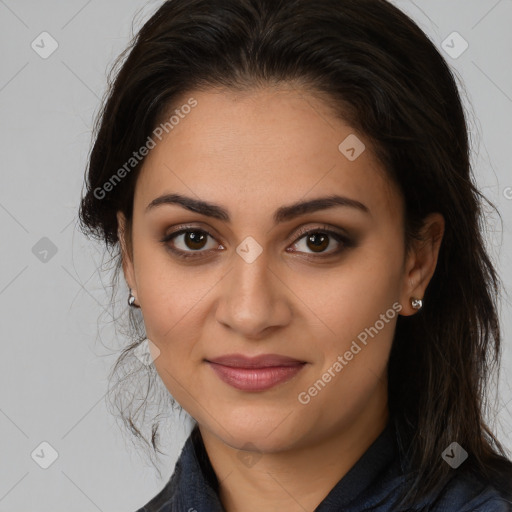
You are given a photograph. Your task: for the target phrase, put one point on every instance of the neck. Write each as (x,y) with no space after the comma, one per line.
(296,479)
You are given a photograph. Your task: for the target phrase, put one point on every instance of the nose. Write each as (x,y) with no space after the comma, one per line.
(254,300)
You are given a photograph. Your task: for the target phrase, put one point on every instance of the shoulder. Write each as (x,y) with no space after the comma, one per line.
(193,482)
(161,502)
(467,492)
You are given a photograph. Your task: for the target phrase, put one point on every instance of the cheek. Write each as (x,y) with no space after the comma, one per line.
(351,296)
(358,312)
(169,293)
(354,361)
(175,314)
(372,278)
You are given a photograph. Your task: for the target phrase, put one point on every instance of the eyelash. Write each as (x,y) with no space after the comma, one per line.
(325,230)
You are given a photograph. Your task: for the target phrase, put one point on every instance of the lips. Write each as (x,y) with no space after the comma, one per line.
(255,373)
(262,361)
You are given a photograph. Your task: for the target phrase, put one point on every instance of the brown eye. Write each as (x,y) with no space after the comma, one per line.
(195,239)
(317,241)
(191,242)
(188,243)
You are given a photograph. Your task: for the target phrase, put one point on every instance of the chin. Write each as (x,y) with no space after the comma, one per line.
(265,431)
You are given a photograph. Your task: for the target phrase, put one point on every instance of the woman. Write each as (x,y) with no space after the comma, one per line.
(288,186)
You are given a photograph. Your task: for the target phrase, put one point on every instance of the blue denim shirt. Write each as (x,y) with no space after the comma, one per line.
(372,484)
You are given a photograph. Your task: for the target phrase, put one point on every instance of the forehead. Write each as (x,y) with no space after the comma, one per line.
(262,148)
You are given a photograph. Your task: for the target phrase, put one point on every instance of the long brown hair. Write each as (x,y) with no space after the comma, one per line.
(381,74)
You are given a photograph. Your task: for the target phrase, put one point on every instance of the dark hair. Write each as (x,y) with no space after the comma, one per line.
(381,74)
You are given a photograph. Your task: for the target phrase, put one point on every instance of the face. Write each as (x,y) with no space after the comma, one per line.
(322,286)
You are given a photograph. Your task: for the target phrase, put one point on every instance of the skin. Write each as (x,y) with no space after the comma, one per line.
(252,153)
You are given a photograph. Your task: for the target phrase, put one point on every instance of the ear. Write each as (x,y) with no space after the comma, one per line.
(421,261)
(126,252)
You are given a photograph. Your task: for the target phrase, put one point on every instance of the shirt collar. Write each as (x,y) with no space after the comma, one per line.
(374,476)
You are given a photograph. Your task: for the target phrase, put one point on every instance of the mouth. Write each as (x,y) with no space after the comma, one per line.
(255,373)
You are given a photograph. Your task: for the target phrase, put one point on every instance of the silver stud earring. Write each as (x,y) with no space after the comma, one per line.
(416,303)
(131,300)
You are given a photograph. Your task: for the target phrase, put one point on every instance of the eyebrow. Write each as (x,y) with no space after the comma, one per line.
(282,214)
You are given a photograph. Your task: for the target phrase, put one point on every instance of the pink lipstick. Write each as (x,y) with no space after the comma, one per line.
(255,373)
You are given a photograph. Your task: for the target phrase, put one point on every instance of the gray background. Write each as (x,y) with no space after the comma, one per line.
(55,356)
